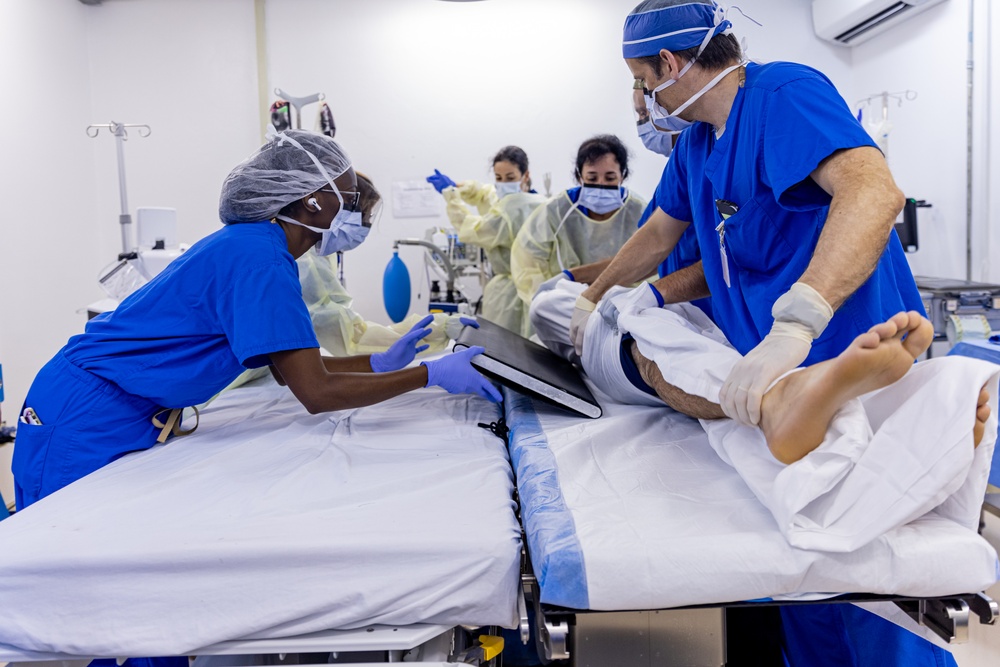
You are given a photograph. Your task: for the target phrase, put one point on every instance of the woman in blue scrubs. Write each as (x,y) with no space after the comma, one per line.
(231,302)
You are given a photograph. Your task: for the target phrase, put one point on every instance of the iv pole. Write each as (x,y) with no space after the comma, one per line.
(299,102)
(119,130)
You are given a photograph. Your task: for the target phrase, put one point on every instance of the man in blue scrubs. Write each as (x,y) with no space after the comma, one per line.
(231,302)
(793,207)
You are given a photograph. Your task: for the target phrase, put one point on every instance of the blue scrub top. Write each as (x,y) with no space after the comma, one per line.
(785,121)
(223,306)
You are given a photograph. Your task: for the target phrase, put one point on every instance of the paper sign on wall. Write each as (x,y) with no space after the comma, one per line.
(415,199)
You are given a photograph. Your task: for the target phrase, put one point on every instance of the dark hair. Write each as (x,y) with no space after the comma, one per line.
(516,156)
(722,50)
(369,194)
(597,147)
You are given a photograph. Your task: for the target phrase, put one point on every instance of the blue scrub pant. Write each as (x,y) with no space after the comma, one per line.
(843,635)
(86,423)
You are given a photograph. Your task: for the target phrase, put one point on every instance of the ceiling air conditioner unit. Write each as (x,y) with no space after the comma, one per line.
(851,22)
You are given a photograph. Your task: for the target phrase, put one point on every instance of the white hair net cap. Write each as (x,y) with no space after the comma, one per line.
(291,165)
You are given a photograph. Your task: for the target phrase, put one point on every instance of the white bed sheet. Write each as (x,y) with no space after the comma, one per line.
(270,522)
(643,514)
(889,456)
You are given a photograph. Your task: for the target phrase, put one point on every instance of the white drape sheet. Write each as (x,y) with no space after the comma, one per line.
(270,522)
(666,511)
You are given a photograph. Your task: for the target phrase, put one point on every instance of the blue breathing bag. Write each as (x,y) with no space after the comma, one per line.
(396,288)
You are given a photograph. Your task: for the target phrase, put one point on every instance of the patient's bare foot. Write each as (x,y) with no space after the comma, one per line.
(796,412)
(982,414)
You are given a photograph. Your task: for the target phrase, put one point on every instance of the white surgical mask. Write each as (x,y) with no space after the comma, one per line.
(663,118)
(670,122)
(509,188)
(601,199)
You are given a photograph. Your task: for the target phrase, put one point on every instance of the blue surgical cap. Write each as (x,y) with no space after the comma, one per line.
(674,25)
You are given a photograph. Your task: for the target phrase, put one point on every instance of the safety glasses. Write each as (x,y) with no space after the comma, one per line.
(352,200)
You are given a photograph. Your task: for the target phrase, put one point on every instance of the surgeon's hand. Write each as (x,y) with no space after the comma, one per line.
(582,311)
(403,351)
(440,181)
(456,324)
(638,298)
(784,348)
(454,373)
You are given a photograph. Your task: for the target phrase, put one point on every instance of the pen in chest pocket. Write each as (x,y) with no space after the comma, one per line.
(726,210)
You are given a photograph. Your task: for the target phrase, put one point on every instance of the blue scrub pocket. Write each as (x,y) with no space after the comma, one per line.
(31,445)
(753,242)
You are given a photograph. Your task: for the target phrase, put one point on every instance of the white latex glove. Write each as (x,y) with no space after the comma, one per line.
(784,348)
(800,316)
(637,298)
(578,323)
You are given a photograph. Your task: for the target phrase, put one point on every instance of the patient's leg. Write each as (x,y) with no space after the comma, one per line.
(797,410)
(982,414)
(688,404)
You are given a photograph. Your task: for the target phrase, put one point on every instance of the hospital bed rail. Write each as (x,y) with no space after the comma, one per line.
(699,631)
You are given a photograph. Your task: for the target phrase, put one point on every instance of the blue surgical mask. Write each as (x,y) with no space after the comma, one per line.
(666,123)
(601,199)
(655,140)
(347,230)
(345,233)
(504,189)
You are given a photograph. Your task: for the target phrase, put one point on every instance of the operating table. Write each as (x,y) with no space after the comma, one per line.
(380,534)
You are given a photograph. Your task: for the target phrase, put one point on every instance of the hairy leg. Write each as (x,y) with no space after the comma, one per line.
(692,406)
(797,411)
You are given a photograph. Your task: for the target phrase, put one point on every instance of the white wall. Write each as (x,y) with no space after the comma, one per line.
(188,69)
(927,146)
(185,67)
(420,84)
(414,85)
(992,242)
(48,236)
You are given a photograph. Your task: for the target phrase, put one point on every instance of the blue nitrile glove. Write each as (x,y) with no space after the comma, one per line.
(455,325)
(440,181)
(403,350)
(454,373)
